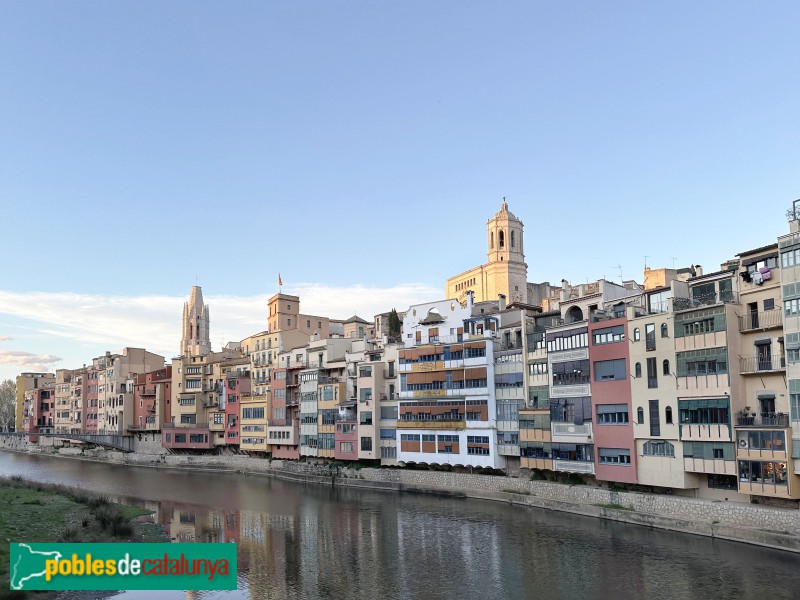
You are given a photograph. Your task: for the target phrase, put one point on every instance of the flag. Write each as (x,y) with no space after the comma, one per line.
(280,281)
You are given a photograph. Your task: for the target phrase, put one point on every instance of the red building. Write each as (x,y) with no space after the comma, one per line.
(151,400)
(615,448)
(39,411)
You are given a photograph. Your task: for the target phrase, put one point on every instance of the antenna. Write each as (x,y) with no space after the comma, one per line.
(673,261)
(645,260)
(620,271)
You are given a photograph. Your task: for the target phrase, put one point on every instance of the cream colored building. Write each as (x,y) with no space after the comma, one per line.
(504,273)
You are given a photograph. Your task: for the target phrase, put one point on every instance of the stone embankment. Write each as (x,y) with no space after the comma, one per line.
(766,526)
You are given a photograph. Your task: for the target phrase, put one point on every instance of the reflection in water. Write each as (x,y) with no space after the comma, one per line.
(309,541)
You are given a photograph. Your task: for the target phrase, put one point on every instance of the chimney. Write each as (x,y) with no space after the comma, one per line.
(470,300)
(564,288)
(501,302)
(698,270)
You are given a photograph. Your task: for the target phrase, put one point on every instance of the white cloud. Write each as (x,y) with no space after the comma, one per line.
(33,362)
(5,338)
(154,322)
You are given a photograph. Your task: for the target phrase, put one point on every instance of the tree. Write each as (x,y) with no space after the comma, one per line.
(395,324)
(8,404)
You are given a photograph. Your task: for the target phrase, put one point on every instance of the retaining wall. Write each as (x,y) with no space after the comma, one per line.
(769,526)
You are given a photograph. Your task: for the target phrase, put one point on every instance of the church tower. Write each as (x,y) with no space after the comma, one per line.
(195,340)
(507,272)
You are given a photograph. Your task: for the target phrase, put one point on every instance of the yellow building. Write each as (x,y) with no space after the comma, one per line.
(505,273)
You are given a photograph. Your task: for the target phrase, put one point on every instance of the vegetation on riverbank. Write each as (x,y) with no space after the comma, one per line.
(39,512)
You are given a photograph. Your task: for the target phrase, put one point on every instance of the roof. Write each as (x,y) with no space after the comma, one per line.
(707,275)
(356,319)
(761,249)
(432,318)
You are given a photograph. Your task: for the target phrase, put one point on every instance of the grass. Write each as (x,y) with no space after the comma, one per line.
(615,506)
(35,512)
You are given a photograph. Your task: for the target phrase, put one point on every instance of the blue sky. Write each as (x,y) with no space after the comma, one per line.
(359,147)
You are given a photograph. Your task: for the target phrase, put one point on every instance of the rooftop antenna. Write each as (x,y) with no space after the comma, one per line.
(645,260)
(673,261)
(620,272)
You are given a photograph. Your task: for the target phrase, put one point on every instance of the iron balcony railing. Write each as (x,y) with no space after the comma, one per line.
(758,364)
(764,420)
(765,319)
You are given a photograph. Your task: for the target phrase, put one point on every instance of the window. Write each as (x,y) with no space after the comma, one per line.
(654,448)
(790,258)
(668,414)
(388,412)
(665,367)
(366,444)
(571,372)
(388,434)
(640,416)
(612,414)
(608,335)
(636,335)
(664,330)
(769,304)
(512,239)
(650,337)
(704,412)
(218,418)
(794,406)
(606,370)
(614,456)
(722,482)
(638,370)
(655,419)
(652,380)
(345,446)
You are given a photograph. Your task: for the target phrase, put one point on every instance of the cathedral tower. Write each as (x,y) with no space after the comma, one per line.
(195,340)
(505,272)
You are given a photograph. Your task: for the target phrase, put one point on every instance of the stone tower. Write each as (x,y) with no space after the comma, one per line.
(195,340)
(506,271)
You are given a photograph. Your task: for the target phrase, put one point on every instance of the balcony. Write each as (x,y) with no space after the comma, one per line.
(571,433)
(389,374)
(758,364)
(573,466)
(696,302)
(780,420)
(766,319)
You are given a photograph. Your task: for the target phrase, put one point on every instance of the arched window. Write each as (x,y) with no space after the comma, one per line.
(640,415)
(501,239)
(666,367)
(636,335)
(512,239)
(638,370)
(668,414)
(574,315)
(491,240)
(664,330)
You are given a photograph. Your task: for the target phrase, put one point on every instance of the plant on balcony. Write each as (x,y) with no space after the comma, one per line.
(744,411)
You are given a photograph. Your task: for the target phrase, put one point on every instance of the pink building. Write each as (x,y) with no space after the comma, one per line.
(346,438)
(615,449)
(286,405)
(90,402)
(236,385)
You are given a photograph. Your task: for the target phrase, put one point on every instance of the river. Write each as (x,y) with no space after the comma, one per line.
(306,541)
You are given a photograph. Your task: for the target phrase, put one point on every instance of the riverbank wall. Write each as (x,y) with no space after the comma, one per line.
(749,523)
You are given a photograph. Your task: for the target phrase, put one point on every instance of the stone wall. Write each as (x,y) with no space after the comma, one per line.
(704,517)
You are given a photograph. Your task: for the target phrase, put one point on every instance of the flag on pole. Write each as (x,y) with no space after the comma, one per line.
(280,281)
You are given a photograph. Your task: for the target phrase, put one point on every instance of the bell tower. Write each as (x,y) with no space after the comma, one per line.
(195,340)
(507,271)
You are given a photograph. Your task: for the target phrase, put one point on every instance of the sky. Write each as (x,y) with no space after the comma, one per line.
(358,148)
